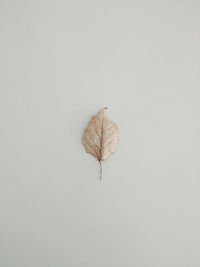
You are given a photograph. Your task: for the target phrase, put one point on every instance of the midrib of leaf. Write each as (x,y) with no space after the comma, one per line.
(101,141)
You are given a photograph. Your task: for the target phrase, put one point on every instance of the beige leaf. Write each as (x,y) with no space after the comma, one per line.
(100,137)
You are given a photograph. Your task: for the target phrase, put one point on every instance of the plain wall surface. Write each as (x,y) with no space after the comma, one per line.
(62,61)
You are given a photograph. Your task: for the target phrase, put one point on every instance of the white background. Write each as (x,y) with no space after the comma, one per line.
(62,61)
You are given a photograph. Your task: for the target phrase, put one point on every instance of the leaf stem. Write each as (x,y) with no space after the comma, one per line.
(100,169)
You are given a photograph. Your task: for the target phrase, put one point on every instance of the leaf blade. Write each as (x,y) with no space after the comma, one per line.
(100,137)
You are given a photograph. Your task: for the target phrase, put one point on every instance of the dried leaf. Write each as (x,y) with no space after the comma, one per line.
(100,137)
